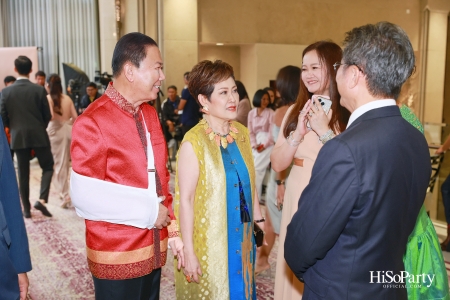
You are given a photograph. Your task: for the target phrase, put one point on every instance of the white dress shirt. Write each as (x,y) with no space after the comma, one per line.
(369,106)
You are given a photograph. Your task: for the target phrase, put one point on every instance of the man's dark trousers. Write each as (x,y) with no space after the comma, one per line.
(45,158)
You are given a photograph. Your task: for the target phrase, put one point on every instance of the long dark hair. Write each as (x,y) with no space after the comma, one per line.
(328,53)
(55,87)
(241,90)
(288,84)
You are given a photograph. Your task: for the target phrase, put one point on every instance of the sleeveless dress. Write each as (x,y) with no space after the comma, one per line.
(223,219)
(287,286)
(59,131)
(423,252)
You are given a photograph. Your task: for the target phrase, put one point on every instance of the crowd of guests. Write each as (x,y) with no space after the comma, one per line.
(349,170)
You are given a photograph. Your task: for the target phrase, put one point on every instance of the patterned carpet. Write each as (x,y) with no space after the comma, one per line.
(58,254)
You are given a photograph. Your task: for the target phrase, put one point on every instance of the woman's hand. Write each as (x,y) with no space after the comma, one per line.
(301,129)
(440,150)
(318,119)
(176,245)
(192,267)
(280,196)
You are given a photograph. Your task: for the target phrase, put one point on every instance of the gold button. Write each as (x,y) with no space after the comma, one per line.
(237,251)
(235,185)
(237,207)
(239,272)
(237,229)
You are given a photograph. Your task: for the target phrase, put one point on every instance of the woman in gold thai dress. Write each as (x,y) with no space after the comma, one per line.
(214,194)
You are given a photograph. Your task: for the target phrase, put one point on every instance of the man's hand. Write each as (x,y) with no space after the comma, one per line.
(163,217)
(23,285)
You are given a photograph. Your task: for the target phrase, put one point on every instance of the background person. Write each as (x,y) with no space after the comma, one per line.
(215,179)
(288,85)
(260,120)
(368,183)
(59,131)
(25,110)
(244,106)
(189,106)
(8,81)
(91,95)
(300,148)
(170,116)
(39,78)
(272,99)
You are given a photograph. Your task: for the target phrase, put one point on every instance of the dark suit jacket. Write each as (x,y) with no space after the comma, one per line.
(366,189)
(14,253)
(25,110)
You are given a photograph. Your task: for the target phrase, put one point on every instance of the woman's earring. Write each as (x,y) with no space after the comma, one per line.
(205,110)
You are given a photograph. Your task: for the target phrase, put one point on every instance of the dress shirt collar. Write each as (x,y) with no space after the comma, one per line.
(22,78)
(369,106)
(118,99)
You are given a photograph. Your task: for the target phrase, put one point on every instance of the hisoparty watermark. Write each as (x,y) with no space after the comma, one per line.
(402,280)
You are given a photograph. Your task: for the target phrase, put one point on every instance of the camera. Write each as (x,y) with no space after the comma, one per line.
(104,79)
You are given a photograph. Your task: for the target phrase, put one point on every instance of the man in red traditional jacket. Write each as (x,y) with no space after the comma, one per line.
(120,183)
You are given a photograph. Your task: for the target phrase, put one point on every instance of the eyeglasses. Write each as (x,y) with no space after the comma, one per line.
(337,65)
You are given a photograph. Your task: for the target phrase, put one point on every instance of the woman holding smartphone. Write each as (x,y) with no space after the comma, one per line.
(299,145)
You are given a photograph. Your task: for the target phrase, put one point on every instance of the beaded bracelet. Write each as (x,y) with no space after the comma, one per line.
(291,142)
(260,220)
(327,136)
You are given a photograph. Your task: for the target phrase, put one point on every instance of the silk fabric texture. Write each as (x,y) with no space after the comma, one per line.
(106,145)
(210,216)
(423,252)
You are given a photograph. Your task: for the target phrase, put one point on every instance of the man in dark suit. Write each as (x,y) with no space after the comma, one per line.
(14,254)
(349,235)
(25,110)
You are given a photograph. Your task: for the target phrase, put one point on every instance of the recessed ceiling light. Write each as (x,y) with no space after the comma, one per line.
(219,44)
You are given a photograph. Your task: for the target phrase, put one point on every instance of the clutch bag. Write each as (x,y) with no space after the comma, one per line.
(259,234)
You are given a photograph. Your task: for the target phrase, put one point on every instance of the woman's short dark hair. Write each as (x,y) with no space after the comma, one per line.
(288,84)
(205,75)
(23,65)
(172,87)
(241,90)
(132,47)
(92,85)
(257,98)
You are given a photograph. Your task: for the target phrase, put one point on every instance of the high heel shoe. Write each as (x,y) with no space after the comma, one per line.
(66,203)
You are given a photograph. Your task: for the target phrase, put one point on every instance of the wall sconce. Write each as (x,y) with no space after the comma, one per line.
(118,19)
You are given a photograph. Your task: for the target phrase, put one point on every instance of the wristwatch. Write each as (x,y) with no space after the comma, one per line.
(279,182)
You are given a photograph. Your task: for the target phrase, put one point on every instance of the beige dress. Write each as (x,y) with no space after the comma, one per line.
(287,286)
(60,134)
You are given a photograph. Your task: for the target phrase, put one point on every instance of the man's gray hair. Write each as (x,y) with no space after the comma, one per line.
(385,55)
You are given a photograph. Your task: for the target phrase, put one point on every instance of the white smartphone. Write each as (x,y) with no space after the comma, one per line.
(321,100)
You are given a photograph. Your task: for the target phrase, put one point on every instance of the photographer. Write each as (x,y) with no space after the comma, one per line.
(92,94)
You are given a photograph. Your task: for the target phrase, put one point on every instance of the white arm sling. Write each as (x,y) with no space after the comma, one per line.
(100,200)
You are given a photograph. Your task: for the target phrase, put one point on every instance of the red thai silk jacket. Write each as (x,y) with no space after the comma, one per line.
(106,145)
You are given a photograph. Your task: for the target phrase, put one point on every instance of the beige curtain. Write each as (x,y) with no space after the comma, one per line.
(65,31)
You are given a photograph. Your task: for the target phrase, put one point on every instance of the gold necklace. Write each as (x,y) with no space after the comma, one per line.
(223,140)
